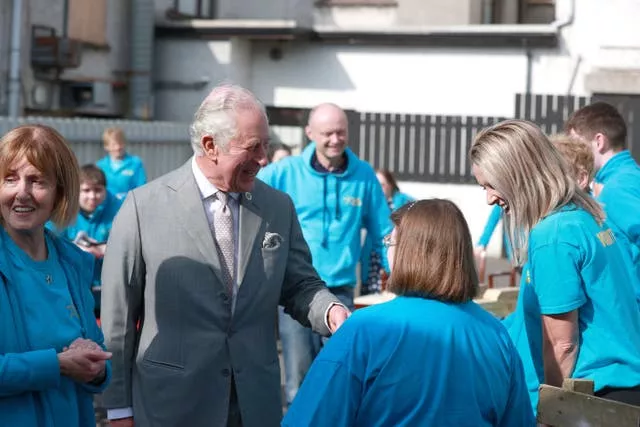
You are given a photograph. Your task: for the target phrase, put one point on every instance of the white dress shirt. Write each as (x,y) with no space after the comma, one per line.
(211,203)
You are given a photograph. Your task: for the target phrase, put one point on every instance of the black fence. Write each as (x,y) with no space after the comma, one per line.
(429,148)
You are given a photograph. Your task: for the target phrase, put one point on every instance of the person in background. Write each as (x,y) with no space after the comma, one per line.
(492,222)
(427,357)
(579,158)
(123,171)
(371,271)
(335,194)
(617,180)
(277,151)
(52,358)
(91,228)
(577,293)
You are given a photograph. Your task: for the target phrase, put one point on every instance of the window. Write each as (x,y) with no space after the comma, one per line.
(88,21)
(185,9)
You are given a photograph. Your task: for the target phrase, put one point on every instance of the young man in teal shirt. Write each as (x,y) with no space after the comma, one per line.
(617,181)
(123,171)
(91,229)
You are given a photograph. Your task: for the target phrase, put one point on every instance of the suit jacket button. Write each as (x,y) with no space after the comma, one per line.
(225,297)
(225,372)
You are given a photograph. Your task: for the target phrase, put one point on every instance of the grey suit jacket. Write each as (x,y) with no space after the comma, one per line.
(161,268)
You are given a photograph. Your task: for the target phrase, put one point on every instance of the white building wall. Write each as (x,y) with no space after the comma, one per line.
(471,200)
(202,64)
(391,79)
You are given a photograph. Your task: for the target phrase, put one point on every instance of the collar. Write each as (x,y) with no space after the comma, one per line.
(207,189)
(317,166)
(612,166)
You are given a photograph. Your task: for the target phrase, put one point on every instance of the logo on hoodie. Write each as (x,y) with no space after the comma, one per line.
(352,201)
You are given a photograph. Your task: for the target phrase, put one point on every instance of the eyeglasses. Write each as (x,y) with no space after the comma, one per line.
(388,241)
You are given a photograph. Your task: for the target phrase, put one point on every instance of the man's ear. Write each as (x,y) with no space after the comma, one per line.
(583,179)
(307,131)
(602,143)
(209,147)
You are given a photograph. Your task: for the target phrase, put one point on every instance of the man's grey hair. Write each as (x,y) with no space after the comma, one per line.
(216,116)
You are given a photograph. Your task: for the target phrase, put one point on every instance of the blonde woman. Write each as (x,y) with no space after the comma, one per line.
(578,299)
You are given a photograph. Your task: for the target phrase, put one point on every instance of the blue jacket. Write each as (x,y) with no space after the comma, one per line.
(415,362)
(490,227)
(97,225)
(28,377)
(128,175)
(332,208)
(620,197)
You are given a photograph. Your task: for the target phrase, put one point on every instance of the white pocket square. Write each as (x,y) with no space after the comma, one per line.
(271,240)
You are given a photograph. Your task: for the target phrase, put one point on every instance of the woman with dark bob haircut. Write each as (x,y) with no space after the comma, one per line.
(51,355)
(429,357)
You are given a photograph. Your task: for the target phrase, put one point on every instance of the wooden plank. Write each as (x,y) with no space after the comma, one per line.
(448,145)
(376,129)
(438,142)
(519,103)
(461,151)
(469,134)
(500,302)
(579,385)
(563,408)
(426,154)
(528,102)
(354,122)
(88,21)
(365,137)
(538,109)
(409,151)
(550,116)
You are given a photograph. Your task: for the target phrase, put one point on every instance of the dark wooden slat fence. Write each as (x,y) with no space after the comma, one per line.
(433,148)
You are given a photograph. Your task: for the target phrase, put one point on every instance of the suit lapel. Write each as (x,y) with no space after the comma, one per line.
(250,224)
(194,218)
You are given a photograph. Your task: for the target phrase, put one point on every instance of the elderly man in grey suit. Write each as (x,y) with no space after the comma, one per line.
(196,265)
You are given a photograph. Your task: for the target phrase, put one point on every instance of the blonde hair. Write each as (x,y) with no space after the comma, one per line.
(530,174)
(47,151)
(113,133)
(434,252)
(577,153)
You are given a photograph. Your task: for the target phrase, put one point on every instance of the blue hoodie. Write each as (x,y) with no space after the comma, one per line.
(33,393)
(620,197)
(332,208)
(123,175)
(97,226)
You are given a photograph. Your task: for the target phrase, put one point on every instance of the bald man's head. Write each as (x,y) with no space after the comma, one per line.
(327,127)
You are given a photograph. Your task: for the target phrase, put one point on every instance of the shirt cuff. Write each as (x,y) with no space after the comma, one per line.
(117,414)
(326,314)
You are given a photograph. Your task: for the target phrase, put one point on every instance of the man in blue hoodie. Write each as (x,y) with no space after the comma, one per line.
(334,194)
(617,181)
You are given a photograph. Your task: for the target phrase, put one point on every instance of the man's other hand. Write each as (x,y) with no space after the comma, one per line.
(122,422)
(337,315)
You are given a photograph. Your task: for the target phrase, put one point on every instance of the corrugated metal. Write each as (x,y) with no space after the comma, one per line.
(163,146)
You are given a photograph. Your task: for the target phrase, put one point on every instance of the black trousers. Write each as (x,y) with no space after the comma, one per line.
(624,395)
